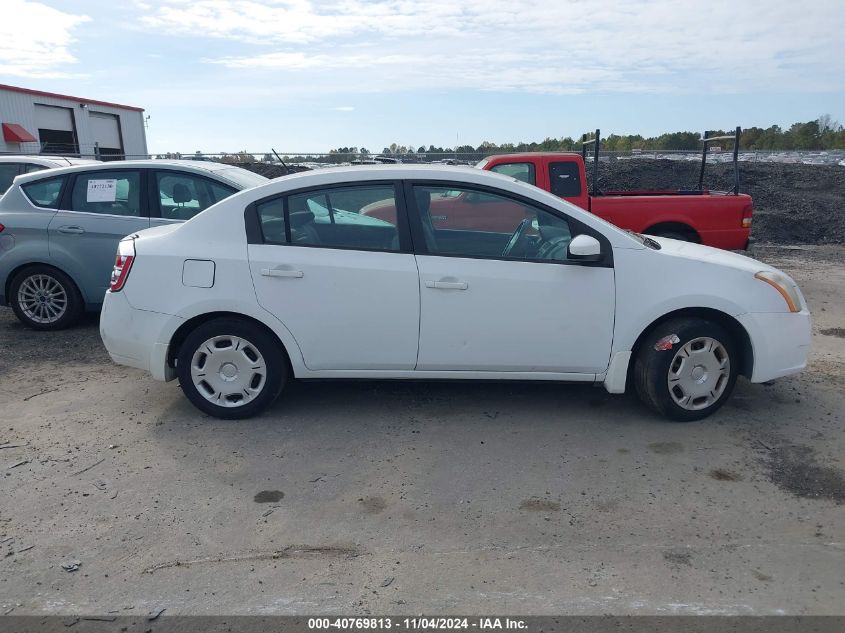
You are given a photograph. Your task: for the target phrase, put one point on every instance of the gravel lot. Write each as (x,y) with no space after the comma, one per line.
(406,498)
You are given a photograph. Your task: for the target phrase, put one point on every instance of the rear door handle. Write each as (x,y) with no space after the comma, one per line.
(447,285)
(282,272)
(71,230)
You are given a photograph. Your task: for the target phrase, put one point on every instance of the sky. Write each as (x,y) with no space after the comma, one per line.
(311,75)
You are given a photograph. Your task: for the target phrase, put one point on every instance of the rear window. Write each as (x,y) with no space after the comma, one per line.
(44,193)
(564,179)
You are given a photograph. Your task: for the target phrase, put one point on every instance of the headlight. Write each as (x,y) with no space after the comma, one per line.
(786,289)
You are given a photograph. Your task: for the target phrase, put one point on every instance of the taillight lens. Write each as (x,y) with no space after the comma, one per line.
(122,264)
(746,217)
(2,228)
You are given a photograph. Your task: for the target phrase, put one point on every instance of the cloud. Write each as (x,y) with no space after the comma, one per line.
(537,46)
(35,40)
(344,109)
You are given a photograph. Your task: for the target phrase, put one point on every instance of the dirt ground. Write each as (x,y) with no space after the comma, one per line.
(409,498)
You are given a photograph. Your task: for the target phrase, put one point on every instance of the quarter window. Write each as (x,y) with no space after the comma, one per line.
(108,192)
(565,179)
(8,171)
(182,196)
(44,193)
(489,225)
(520,171)
(333,218)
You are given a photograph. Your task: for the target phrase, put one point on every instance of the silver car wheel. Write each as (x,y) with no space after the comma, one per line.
(228,371)
(699,373)
(42,299)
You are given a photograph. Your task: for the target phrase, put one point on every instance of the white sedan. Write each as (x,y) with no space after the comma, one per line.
(259,289)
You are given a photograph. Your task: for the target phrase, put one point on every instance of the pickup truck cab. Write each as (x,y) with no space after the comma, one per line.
(714,218)
(720,219)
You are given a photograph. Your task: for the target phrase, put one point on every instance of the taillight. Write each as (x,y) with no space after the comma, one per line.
(122,264)
(2,228)
(746,217)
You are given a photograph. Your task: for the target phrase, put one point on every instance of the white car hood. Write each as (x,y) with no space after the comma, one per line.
(688,250)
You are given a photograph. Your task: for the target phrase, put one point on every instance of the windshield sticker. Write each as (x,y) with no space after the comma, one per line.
(102,190)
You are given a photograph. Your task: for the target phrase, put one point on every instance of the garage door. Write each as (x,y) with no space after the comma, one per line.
(54,118)
(55,129)
(105,131)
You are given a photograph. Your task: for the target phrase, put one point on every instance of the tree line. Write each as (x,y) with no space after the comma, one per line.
(822,134)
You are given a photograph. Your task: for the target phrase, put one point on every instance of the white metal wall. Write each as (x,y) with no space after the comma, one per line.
(17,107)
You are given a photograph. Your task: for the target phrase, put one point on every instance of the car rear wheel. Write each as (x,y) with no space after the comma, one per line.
(231,368)
(44,298)
(686,369)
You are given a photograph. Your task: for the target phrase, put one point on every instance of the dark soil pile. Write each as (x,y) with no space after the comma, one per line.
(793,203)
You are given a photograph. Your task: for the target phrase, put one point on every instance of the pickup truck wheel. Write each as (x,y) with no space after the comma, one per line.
(686,368)
(231,368)
(44,298)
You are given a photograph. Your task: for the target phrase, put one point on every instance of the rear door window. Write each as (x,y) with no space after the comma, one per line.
(332,218)
(116,192)
(565,179)
(521,171)
(181,196)
(44,193)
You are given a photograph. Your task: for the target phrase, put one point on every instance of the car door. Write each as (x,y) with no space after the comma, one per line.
(343,283)
(97,209)
(509,300)
(177,196)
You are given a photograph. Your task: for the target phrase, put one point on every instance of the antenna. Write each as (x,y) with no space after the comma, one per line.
(287,169)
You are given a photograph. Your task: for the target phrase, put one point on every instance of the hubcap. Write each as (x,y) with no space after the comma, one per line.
(228,371)
(42,299)
(699,373)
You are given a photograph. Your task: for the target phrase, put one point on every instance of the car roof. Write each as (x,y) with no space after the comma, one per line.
(528,156)
(402,171)
(195,166)
(48,161)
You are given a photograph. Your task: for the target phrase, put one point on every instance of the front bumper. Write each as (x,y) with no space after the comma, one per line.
(780,341)
(137,338)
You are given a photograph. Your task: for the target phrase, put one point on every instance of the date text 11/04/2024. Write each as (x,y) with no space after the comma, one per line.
(417,623)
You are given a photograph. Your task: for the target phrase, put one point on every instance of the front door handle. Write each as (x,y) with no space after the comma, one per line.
(447,285)
(71,230)
(282,272)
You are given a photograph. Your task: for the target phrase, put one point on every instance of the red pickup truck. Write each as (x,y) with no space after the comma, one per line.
(714,218)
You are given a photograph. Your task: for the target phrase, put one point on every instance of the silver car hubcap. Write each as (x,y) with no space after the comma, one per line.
(699,373)
(228,371)
(42,299)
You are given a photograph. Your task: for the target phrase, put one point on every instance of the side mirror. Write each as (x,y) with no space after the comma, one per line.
(584,248)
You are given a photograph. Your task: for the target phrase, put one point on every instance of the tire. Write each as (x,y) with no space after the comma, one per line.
(44,298)
(684,381)
(234,388)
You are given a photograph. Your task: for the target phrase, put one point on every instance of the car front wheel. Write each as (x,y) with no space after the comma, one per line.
(231,368)
(686,369)
(45,298)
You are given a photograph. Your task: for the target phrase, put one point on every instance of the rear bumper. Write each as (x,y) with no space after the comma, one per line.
(137,338)
(780,341)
